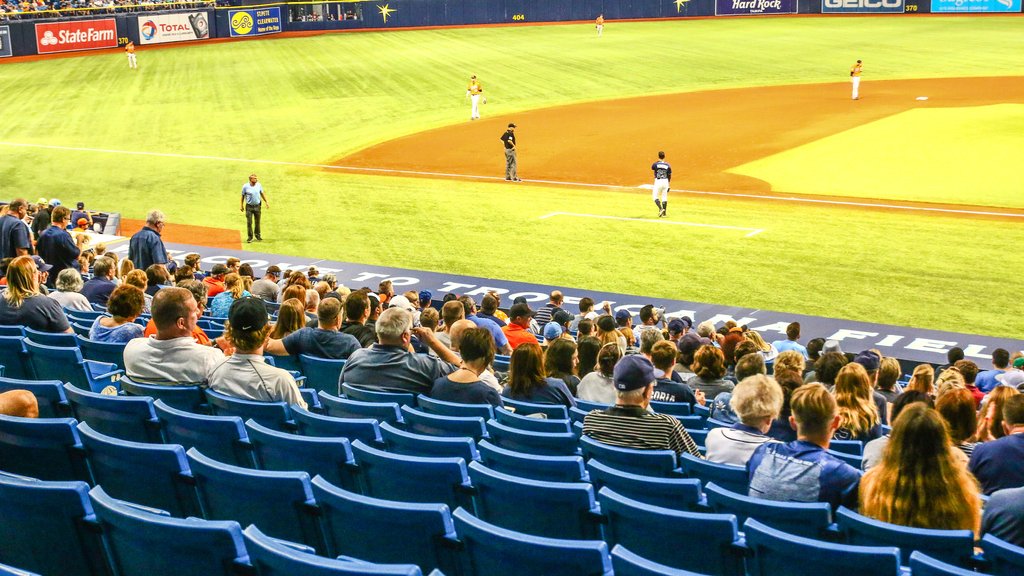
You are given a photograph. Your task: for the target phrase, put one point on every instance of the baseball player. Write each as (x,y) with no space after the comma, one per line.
(475,92)
(129,49)
(599,24)
(855,71)
(662,177)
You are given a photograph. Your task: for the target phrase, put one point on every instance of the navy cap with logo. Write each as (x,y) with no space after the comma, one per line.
(41,264)
(869,360)
(520,310)
(561,317)
(676,326)
(622,314)
(248,314)
(632,373)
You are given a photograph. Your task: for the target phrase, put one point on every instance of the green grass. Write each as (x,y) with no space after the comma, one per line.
(315,99)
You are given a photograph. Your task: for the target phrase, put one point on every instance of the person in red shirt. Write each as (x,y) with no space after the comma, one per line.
(519,322)
(215,281)
(969,370)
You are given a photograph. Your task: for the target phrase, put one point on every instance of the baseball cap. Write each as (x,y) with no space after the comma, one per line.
(219,269)
(425,297)
(831,346)
(42,201)
(675,326)
(275,270)
(868,359)
(519,300)
(54,202)
(401,302)
(689,343)
(82,222)
(561,317)
(80,205)
(41,264)
(1018,363)
(632,373)
(249,313)
(374,300)
(511,125)
(552,330)
(520,310)
(623,315)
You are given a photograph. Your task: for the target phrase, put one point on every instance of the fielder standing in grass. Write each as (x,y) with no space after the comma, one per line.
(129,49)
(855,71)
(599,24)
(474,92)
(662,178)
(252,202)
(509,139)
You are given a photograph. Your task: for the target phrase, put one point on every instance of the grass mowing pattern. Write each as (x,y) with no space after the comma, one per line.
(313,99)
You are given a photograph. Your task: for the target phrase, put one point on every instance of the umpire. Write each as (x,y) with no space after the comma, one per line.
(253,200)
(509,138)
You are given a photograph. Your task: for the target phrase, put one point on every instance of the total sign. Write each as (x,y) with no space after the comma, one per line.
(76,35)
(157,29)
(867,6)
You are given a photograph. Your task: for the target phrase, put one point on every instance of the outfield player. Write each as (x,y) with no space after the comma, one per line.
(475,92)
(599,24)
(662,178)
(855,71)
(129,49)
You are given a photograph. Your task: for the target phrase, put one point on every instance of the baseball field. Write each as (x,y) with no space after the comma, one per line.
(903,207)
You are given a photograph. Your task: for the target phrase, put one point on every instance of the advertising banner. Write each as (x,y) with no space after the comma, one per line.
(161,28)
(75,35)
(5,42)
(862,6)
(754,7)
(976,5)
(255,22)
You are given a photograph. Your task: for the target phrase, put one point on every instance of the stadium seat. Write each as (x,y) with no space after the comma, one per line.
(328,457)
(807,519)
(700,437)
(370,393)
(702,411)
(659,463)
(411,478)
(143,542)
(626,563)
(924,565)
(501,362)
(952,546)
(49,527)
(187,398)
(276,415)
(1003,558)
(153,475)
(577,415)
(87,315)
(311,424)
(553,411)
(60,339)
(442,408)
(588,406)
(494,551)
(106,352)
(698,422)
(675,493)
(12,330)
(673,408)
(15,358)
(776,552)
(43,448)
(732,478)
(543,444)
(449,426)
(854,447)
(80,329)
(50,397)
(286,362)
(710,424)
(271,557)
(700,542)
(6,570)
(124,417)
(321,373)
(386,531)
(531,424)
(550,509)
(545,468)
(222,438)
(401,442)
(67,365)
(851,459)
(345,408)
(280,503)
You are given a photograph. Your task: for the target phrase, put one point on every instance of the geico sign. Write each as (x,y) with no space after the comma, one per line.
(870,4)
(76,35)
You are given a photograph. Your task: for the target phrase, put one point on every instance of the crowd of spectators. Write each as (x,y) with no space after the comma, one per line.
(16,10)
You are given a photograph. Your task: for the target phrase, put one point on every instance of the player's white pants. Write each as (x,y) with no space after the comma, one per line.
(856,86)
(600,29)
(131,61)
(660,185)
(475,99)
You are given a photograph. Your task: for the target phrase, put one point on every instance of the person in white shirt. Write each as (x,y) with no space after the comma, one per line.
(757,400)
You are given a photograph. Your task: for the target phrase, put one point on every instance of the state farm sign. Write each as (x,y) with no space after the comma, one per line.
(76,35)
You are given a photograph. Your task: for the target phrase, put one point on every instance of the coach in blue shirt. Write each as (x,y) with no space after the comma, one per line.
(56,246)
(14,236)
(146,247)
(253,200)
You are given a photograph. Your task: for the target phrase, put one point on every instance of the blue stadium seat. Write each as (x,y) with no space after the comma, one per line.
(539,443)
(385,531)
(501,362)
(222,438)
(43,448)
(271,557)
(143,542)
(276,415)
(187,398)
(851,459)
(106,352)
(401,442)
(702,411)
(546,468)
(659,463)
(49,395)
(287,362)
(411,478)
(588,406)
(124,417)
(713,423)
(15,358)
(1004,559)
(924,565)
(700,542)
(732,478)
(952,546)
(700,437)
(531,424)
(675,493)
(627,563)
(87,315)
(67,365)
(80,329)
(6,570)
(310,424)
(553,411)
(321,373)
(374,394)
(577,415)
(698,422)
(49,527)
(550,509)
(673,408)
(450,426)
(281,503)
(12,330)
(345,408)
(153,475)
(854,447)
(61,339)
(442,408)
(328,457)
(810,519)
(776,552)
(494,551)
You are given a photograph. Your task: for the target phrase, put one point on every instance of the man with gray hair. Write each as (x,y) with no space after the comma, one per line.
(146,246)
(391,365)
(68,292)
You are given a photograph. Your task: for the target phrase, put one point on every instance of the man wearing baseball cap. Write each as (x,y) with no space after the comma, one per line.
(629,424)
(509,139)
(517,330)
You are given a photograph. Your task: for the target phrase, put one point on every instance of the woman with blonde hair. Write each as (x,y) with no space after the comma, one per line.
(757,401)
(234,288)
(767,350)
(950,379)
(888,374)
(709,372)
(858,414)
(991,425)
(290,317)
(124,267)
(920,483)
(791,360)
(23,305)
(923,380)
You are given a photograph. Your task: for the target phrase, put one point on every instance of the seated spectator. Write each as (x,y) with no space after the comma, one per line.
(768,352)
(874,450)
(546,311)
(291,317)
(267,287)
(233,290)
(1000,464)
(464,386)
(20,403)
(563,319)
(585,328)
(97,290)
(607,332)
(991,426)
(950,379)
(391,365)
(957,409)
(782,471)
(829,364)
(922,380)
(757,401)
(22,304)
(688,345)
(357,312)
(629,423)
(885,382)
(215,281)
(709,372)
(67,293)
(788,380)
(599,385)
(156,277)
(792,340)
(182,273)
(749,365)
(552,332)
(192,260)
(171,357)
(560,361)
(500,341)
(526,381)
(953,355)
(429,319)
(587,349)
(246,374)
(790,360)
(969,370)
(124,307)
(456,332)
(1004,516)
(245,270)
(489,309)
(989,379)
(233,265)
(198,290)
(325,341)
(919,483)
(666,388)
(451,312)
(138,279)
(516,331)
(1014,375)
(858,414)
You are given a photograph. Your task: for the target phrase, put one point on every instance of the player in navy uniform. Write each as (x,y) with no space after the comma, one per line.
(662,177)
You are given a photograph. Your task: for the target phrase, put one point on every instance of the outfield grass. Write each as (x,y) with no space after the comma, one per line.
(318,98)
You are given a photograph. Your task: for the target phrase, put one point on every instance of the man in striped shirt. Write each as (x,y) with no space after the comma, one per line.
(629,424)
